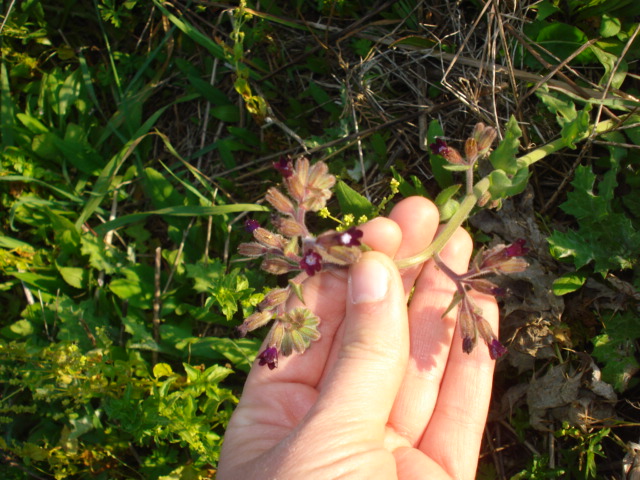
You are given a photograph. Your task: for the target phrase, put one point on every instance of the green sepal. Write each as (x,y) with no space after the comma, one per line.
(457,298)
(297,289)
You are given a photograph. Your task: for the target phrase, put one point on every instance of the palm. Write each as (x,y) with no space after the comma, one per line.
(429,428)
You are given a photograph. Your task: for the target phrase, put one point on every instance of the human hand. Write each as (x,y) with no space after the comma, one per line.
(387,392)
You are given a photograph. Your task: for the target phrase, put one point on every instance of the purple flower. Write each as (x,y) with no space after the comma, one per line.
(350,238)
(311,262)
(517,248)
(467,344)
(284,166)
(269,357)
(250,225)
(496,349)
(440,147)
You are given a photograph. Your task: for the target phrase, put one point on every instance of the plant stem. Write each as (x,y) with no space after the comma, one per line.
(452,225)
(482,186)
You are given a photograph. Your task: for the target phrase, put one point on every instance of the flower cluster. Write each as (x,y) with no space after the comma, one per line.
(476,146)
(293,249)
(501,259)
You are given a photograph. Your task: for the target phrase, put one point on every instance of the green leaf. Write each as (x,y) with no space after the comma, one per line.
(605,236)
(179,211)
(7,118)
(21,328)
(568,283)
(609,26)
(162,370)
(504,156)
(445,202)
(616,350)
(226,289)
(352,202)
(576,129)
(75,276)
(206,41)
(545,9)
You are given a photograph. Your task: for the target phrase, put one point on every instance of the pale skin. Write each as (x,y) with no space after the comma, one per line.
(387,392)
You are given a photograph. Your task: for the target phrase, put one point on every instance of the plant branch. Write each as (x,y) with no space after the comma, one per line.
(480,188)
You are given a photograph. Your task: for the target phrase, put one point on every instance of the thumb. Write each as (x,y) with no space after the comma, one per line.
(375,346)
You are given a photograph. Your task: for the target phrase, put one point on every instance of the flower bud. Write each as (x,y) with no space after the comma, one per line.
(316,199)
(289,227)
(485,286)
(253,321)
(319,177)
(250,225)
(471,150)
(341,255)
(252,249)
(279,201)
(275,297)
(269,239)
(268,357)
(484,136)
(276,265)
(284,166)
(512,265)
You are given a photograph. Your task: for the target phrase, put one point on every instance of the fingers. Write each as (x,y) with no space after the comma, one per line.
(418,220)
(454,433)
(325,295)
(370,363)
(430,337)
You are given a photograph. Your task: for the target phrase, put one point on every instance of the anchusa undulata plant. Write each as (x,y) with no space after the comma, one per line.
(291,248)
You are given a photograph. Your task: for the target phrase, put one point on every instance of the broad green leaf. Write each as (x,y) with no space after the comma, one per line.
(610,62)
(21,328)
(34,125)
(616,349)
(569,282)
(504,156)
(609,26)
(562,40)
(162,370)
(136,286)
(352,202)
(74,276)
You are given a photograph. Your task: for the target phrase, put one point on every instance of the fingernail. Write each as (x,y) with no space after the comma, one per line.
(368,281)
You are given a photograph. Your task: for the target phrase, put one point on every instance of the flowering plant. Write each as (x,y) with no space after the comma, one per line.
(292,248)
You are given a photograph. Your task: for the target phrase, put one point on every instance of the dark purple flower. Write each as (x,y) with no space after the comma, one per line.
(284,166)
(350,238)
(311,262)
(440,147)
(250,225)
(467,344)
(496,349)
(517,248)
(269,357)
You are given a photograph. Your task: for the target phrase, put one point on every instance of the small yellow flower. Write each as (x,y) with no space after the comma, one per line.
(394,184)
(324,213)
(362,219)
